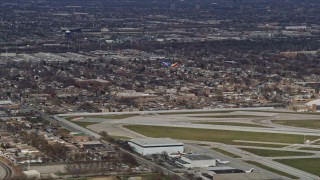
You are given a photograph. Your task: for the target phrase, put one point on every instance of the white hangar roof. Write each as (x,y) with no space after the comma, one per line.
(151,142)
(316,102)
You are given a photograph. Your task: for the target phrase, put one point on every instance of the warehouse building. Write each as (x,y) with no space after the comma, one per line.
(147,146)
(315,105)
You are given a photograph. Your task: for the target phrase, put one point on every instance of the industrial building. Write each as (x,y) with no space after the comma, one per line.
(238,176)
(315,105)
(146,146)
(230,173)
(196,160)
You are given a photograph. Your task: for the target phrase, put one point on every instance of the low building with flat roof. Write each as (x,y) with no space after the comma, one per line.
(314,105)
(197,160)
(241,176)
(146,146)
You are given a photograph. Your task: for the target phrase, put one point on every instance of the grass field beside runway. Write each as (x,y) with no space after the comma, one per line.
(283,112)
(121,137)
(113,116)
(311,165)
(195,112)
(258,144)
(229,116)
(271,169)
(312,124)
(84,124)
(223,136)
(232,124)
(227,153)
(310,149)
(275,153)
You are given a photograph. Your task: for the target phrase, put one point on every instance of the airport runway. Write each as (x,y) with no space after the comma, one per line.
(187,121)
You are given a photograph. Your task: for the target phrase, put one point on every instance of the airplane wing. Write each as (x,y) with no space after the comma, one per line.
(174,65)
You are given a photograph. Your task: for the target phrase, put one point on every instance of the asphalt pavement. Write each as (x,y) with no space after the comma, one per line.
(5,171)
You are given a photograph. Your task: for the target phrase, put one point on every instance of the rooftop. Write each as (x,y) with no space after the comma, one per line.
(240,176)
(155,141)
(316,102)
(198,157)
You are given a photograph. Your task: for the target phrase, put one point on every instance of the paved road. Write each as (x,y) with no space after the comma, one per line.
(5,171)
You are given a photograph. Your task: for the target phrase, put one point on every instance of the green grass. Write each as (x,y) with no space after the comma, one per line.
(195,112)
(150,176)
(203,144)
(79,178)
(121,137)
(120,116)
(113,116)
(63,130)
(222,136)
(232,124)
(275,153)
(229,116)
(84,124)
(283,112)
(258,144)
(310,148)
(226,153)
(316,143)
(313,124)
(271,169)
(308,164)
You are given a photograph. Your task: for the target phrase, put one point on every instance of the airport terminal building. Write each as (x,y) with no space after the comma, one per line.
(147,146)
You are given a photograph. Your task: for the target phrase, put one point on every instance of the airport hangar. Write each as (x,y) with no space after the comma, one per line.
(315,105)
(147,146)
